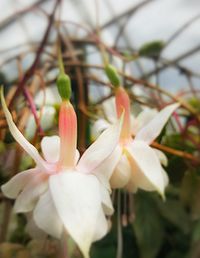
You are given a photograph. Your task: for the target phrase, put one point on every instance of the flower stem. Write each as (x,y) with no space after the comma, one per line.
(64,249)
(119,227)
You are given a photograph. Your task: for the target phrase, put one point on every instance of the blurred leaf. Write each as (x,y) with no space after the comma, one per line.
(19,235)
(176,169)
(174,212)
(151,49)
(196,232)
(148,226)
(190,192)
(177,141)
(195,103)
(175,254)
(105,248)
(26,162)
(2,147)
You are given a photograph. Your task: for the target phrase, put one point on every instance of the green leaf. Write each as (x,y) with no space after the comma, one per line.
(148,226)
(174,212)
(151,49)
(190,192)
(196,232)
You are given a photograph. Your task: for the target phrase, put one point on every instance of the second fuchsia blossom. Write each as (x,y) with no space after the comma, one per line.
(139,165)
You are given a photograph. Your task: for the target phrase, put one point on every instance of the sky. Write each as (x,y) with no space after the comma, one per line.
(158,20)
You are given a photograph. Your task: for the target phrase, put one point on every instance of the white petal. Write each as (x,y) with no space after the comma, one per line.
(101,226)
(104,171)
(131,186)
(101,149)
(51,148)
(27,199)
(46,217)
(149,132)
(98,127)
(143,119)
(78,201)
(162,157)
(106,201)
(16,184)
(109,109)
(165,177)
(77,156)
(122,173)
(146,169)
(29,148)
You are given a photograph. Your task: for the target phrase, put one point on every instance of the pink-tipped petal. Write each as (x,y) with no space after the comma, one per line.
(68,134)
(46,217)
(101,149)
(29,148)
(77,199)
(151,131)
(123,105)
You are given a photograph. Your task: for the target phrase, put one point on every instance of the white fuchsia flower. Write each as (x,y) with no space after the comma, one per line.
(65,193)
(139,165)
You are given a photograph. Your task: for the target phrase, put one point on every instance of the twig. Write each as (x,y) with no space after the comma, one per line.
(31,70)
(126,13)
(178,153)
(11,19)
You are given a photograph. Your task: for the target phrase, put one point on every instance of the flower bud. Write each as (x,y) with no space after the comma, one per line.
(112,75)
(64,86)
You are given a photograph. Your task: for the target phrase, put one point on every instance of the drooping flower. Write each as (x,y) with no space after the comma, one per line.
(139,165)
(65,193)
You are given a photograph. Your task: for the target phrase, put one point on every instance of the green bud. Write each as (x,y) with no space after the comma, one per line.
(64,86)
(112,75)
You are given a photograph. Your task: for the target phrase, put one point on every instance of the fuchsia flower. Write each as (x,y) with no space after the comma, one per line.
(63,192)
(139,165)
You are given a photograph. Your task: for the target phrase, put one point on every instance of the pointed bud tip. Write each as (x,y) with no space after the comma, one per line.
(64,86)
(112,75)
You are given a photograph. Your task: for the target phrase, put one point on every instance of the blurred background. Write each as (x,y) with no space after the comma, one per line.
(155,44)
